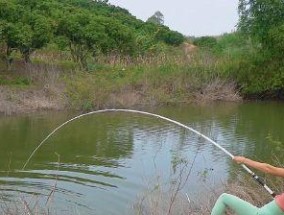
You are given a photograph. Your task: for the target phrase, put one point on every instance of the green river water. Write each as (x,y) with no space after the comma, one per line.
(101,164)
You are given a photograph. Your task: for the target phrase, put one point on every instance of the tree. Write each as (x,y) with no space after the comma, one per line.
(169,37)
(86,27)
(40,34)
(16,36)
(276,36)
(120,38)
(157,18)
(9,13)
(88,34)
(80,34)
(262,20)
(22,30)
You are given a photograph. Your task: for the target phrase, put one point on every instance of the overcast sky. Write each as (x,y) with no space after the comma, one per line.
(190,17)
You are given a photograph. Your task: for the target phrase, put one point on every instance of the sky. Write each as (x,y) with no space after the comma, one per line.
(189,17)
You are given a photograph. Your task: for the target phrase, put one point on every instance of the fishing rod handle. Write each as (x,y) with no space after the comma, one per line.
(259,180)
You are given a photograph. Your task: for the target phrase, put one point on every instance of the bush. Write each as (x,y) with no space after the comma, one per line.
(169,37)
(205,42)
(261,75)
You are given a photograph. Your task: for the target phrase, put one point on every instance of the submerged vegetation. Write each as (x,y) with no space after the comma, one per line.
(89,55)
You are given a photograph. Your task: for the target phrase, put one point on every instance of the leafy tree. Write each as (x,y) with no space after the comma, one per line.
(41,33)
(276,37)
(169,37)
(88,34)
(262,20)
(157,18)
(85,27)
(72,27)
(8,13)
(51,9)
(120,38)
(17,36)
(23,30)
(28,4)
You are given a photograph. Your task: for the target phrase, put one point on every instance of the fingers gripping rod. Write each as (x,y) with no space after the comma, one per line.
(261,182)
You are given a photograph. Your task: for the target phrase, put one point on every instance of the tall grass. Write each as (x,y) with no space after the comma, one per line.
(157,199)
(161,79)
(225,68)
(169,77)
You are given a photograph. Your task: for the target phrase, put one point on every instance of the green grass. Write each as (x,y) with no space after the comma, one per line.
(168,77)
(16,81)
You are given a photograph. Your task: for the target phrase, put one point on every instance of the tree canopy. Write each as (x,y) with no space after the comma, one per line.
(84,27)
(263,20)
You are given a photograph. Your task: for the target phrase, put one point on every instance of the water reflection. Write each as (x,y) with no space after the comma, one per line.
(100,163)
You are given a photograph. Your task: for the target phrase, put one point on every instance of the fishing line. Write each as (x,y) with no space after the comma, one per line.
(261,182)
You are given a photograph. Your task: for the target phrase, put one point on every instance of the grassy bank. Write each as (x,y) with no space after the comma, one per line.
(172,197)
(158,201)
(53,81)
(88,55)
(225,68)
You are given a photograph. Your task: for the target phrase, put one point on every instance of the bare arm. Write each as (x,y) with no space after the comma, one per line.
(264,167)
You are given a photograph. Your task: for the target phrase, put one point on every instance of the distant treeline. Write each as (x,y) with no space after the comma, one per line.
(85,28)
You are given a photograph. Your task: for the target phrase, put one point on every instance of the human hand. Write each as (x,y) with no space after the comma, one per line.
(239,159)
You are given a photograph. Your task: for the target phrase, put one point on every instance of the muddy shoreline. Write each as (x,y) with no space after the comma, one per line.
(15,101)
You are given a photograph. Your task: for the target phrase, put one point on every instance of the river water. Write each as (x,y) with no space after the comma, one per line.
(103,163)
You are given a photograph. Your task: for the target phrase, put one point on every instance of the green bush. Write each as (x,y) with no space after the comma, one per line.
(169,37)
(205,42)
(260,75)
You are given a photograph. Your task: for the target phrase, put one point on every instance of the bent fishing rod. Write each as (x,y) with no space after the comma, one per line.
(259,180)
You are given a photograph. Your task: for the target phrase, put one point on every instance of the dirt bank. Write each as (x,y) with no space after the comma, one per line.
(18,101)
(26,100)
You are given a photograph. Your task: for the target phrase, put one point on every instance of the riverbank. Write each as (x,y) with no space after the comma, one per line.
(15,101)
(157,202)
(52,82)
(28,100)
(228,70)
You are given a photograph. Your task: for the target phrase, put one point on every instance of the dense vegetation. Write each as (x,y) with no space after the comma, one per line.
(85,28)
(104,56)
(258,50)
(262,21)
